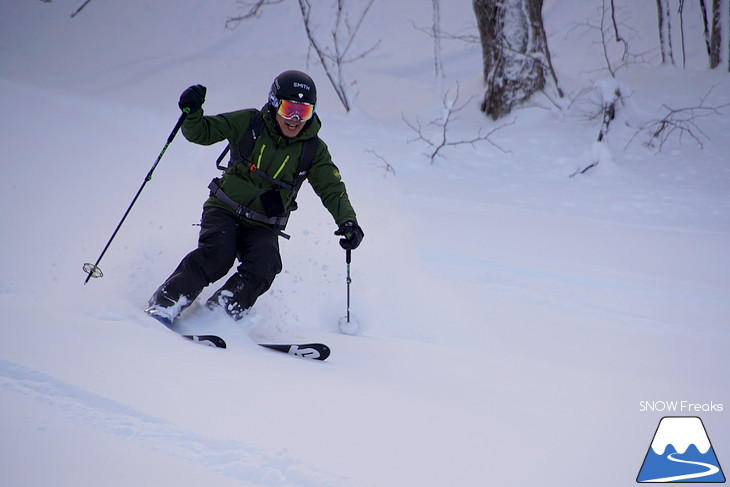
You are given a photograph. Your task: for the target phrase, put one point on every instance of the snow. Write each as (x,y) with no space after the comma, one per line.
(511,318)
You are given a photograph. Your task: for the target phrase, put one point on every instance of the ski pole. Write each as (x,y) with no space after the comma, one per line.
(93,270)
(348,259)
(348,325)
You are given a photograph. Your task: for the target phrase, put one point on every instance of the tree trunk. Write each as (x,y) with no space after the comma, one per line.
(665,31)
(715,35)
(706,25)
(514,52)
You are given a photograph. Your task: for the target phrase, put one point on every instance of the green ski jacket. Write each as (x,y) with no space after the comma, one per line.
(276,155)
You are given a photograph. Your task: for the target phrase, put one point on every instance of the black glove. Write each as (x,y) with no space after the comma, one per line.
(192,98)
(352,234)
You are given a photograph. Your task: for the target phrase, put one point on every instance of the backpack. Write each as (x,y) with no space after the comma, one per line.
(243,151)
(276,216)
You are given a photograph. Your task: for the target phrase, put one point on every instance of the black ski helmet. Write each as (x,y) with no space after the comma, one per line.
(293,86)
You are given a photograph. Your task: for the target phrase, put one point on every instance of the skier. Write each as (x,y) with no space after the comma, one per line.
(272,151)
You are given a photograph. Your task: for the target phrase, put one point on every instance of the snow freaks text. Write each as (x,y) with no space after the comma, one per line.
(682,407)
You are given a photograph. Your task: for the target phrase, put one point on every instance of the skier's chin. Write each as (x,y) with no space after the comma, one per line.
(292,129)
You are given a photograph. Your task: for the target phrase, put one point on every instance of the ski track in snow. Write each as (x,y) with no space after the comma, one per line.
(230,458)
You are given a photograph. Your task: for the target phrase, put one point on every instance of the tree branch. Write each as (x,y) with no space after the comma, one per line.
(388,167)
(80,8)
(332,59)
(681,122)
(254,11)
(441,139)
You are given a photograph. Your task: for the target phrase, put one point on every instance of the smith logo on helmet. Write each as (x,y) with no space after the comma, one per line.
(301,85)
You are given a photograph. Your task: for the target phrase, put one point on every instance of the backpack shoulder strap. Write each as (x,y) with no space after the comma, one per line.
(309,151)
(244,149)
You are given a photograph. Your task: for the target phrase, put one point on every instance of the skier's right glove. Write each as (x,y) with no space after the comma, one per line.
(192,98)
(352,235)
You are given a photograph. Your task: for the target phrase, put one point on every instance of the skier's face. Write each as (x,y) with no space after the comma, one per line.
(290,128)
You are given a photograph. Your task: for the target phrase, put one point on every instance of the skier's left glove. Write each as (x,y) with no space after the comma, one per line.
(352,235)
(192,98)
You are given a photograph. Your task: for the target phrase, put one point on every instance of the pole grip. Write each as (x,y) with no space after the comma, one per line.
(179,123)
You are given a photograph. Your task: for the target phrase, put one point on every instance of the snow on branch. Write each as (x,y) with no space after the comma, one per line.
(610,96)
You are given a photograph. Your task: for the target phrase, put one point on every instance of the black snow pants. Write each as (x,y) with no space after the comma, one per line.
(224,237)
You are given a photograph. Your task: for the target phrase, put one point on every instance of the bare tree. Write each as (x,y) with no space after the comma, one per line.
(665,31)
(681,30)
(253,10)
(435,29)
(78,10)
(713,31)
(617,37)
(439,137)
(706,25)
(435,32)
(715,35)
(387,167)
(335,54)
(514,52)
(610,96)
(466,37)
(334,49)
(680,122)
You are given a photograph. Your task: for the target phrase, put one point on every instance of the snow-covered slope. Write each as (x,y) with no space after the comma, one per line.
(512,318)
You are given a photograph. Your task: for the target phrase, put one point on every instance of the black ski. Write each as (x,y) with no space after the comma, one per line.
(210,340)
(316,351)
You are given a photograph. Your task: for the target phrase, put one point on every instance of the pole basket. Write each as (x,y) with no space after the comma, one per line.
(93,270)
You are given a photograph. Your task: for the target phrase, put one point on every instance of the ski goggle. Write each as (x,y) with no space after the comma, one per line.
(290,109)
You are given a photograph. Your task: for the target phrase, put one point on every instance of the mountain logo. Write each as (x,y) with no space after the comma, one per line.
(681,452)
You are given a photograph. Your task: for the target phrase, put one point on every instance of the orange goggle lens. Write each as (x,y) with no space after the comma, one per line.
(290,109)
